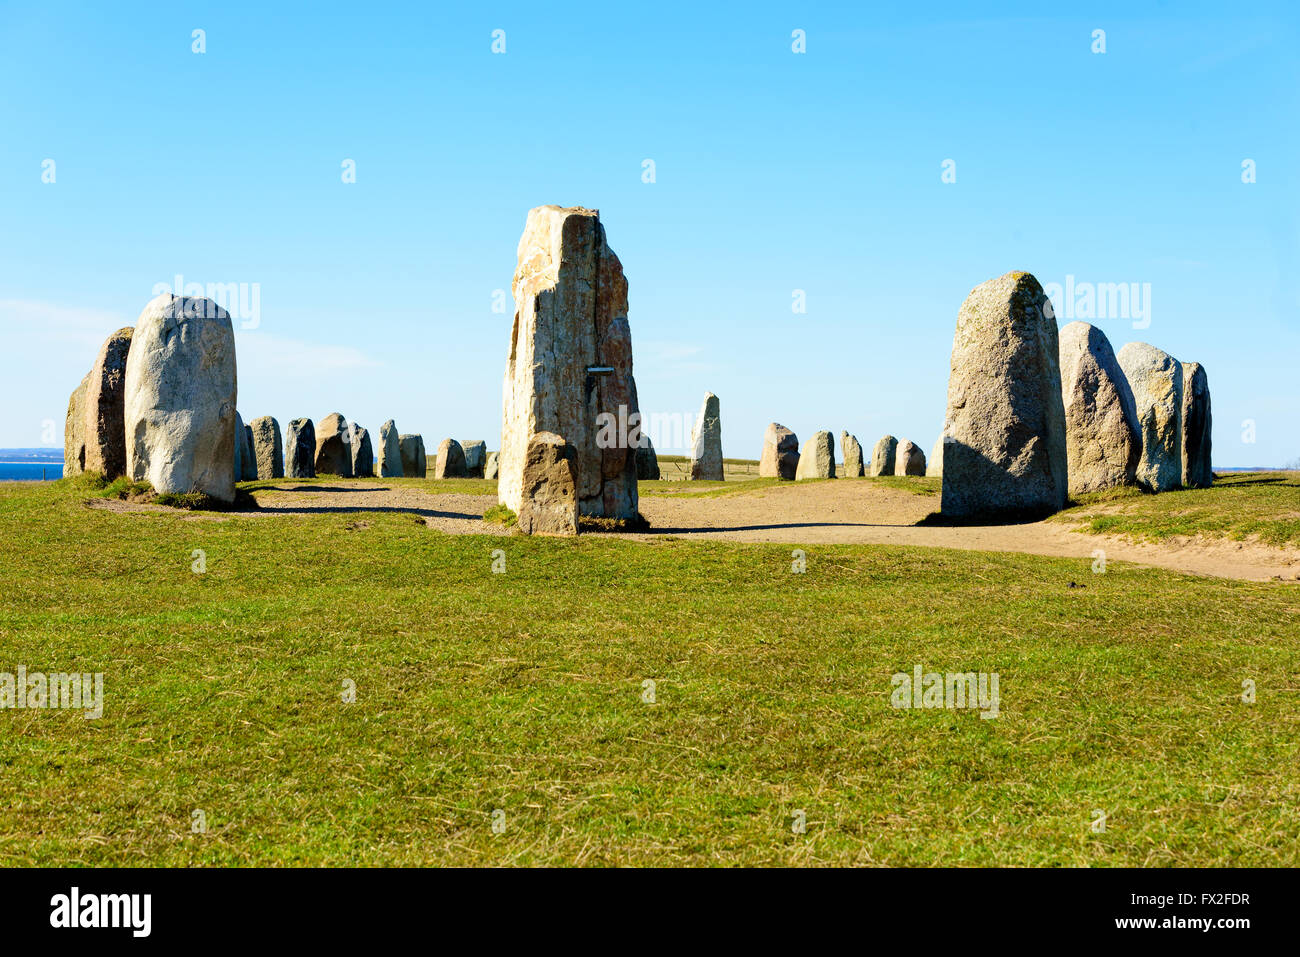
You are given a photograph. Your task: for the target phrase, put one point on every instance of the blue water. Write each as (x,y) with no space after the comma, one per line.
(30,471)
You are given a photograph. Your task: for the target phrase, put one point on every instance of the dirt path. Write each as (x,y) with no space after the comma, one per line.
(838,512)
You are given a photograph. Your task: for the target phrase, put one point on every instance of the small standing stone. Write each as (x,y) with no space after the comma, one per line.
(450,462)
(934,465)
(74,430)
(817,460)
(267,449)
(390,451)
(1197,469)
(492,468)
(334,447)
(475,457)
(415,462)
(301,444)
(106,407)
(550,485)
(884,455)
(910,459)
(780,458)
(1155,381)
(706,442)
(647,462)
(363,454)
(852,455)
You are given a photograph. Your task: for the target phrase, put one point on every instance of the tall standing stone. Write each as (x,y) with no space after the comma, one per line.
(569,369)
(475,457)
(181,387)
(909,459)
(363,454)
(1197,469)
(300,444)
(1155,381)
(1101,440)
(817,460)
(267,450)
(884,455)
(240,466)
(334,447)
(852,452)
(106,407)
(1004,452)
(390,451)
(550,499)
(706,442)
(74,430)
(450,462)
(415,461)
(780,458)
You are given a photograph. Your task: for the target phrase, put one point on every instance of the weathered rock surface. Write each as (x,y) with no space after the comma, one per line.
(300,443)
(1005,425)
(363,453)
(450,462)
(780,457)
(706,442)
(570,362)
(934,464)
(1155,381)
(74,430)
(390,451)
(1197,469)
(884,456)
(909,459)
(334,446)
(492,468)
(647,461)
(180,398)
(1101,440)
(550,485)
(475,451)
(105,430)
(852,453)
(415,461)
(267,450)
(817,460)
(240,466)
(249,458)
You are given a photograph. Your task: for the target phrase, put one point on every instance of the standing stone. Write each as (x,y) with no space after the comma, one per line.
(268,453)
(491,469)
(1155,381)
(934,465)
(780,458)
(475,457)
(450,462)
(300,441)
(706,442)
(852,452)
(363,454)
(550,485)
(647,462)
(1005,428)
(569,370)
(180,398)
(105,433)
(334,447)
(390,451)
(817,460)
(74,430)
(884,455)
(245,463)
(1197,470)
(909,459)
(415,462)
(1101,441)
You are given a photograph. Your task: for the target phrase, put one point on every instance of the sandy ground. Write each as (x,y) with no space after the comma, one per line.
(838,512)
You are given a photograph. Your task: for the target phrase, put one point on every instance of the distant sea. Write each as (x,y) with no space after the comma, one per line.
(31,465)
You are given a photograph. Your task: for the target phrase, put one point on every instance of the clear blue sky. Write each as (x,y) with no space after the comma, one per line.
(775,171)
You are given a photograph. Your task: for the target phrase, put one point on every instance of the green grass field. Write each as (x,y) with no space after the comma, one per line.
(1261,505)
(524,692)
